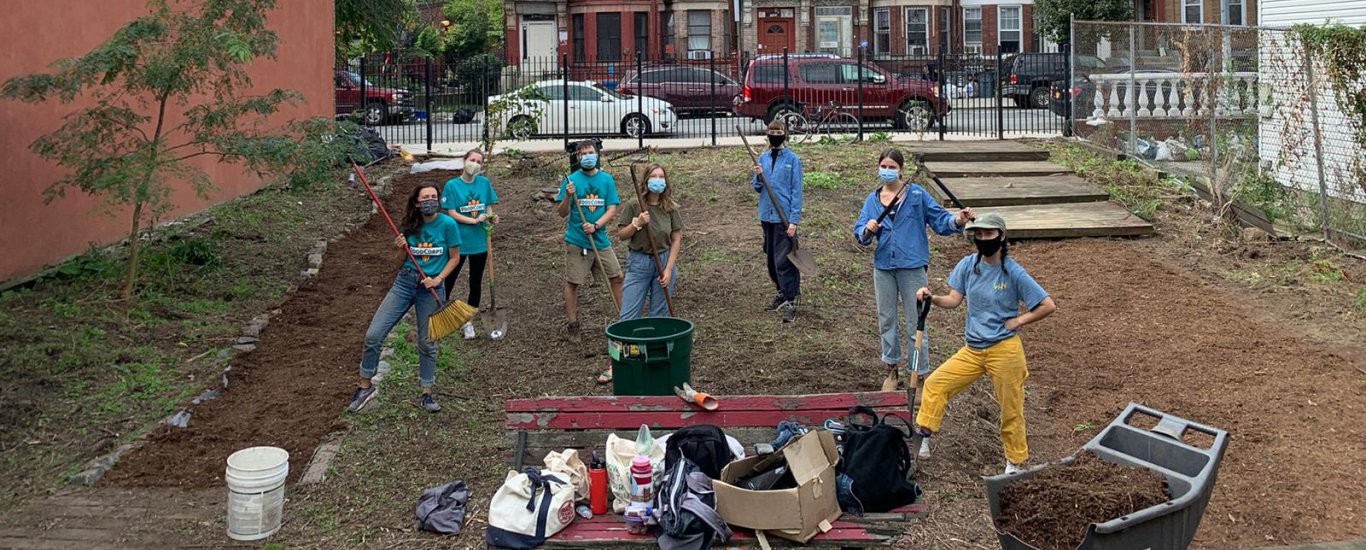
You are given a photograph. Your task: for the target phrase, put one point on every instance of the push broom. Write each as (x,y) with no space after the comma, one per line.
(450,316)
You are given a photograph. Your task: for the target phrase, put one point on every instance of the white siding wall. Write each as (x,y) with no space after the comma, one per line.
(1278,13)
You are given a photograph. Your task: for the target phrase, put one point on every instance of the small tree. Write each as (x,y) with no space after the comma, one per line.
(371,25)
(168,87)
(1054,17)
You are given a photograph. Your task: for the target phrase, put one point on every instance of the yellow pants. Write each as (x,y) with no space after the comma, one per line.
(1004,362)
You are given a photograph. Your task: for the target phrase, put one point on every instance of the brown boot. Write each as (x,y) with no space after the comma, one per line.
(889,383)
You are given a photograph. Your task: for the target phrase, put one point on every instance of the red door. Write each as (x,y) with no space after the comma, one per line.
(776,34)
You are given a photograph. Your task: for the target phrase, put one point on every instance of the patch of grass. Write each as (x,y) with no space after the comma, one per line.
(1360,302)
(821,180)
(1127,181)
(1084,426)
(1322,270)
(879,137)
(137,382)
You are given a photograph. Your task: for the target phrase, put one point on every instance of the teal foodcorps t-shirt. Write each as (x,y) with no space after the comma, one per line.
(595,193)
(993,297)
(431,245)
(470,199)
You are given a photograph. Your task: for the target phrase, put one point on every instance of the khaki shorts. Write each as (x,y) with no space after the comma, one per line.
(579,267)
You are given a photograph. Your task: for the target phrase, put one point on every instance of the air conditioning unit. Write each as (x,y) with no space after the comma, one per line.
(699,54)
(917,50)
(975,49)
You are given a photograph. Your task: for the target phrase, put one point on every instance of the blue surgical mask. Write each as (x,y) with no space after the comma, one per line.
(888,175)
(656,185)
(588,161)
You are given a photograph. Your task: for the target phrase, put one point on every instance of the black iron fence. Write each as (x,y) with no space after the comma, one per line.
(425,102)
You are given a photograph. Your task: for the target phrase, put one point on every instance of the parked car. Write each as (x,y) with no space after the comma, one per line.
(815,82)
(1083,91)
(382,105)
(1029,76)
(688,89)
(593,110)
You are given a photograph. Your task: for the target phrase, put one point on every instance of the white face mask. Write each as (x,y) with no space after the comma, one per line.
(473,168)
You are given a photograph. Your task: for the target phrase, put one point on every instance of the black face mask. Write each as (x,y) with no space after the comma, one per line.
(776,141)
(988,247)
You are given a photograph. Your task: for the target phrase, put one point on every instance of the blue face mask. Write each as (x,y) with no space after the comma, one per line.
(656,185)
(888,175)
(588,161)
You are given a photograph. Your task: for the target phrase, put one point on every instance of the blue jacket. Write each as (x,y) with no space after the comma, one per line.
(902,242)
(786,180)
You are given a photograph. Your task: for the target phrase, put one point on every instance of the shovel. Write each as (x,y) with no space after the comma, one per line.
(798,256)
(922,309)
(493,318)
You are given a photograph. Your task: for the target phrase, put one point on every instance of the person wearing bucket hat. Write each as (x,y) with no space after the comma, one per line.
(902,253)
(994,286)
(782,169)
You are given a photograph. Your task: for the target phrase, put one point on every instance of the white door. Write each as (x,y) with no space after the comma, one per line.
(538,45)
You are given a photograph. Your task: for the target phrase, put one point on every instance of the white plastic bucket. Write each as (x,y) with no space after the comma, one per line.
(256,492)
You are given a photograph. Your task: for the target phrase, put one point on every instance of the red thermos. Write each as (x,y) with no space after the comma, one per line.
(597,485)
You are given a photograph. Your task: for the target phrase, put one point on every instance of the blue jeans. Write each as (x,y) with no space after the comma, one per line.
(407,291)
(888,286)
(642,285)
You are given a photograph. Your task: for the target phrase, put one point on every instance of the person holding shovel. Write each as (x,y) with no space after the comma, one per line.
(467,199)
(895,214)
(782,169)
(433,238)
(994,286)
(644,281)
(588,201)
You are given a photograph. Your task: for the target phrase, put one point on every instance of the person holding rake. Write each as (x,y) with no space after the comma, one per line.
(588,201)
(659,224)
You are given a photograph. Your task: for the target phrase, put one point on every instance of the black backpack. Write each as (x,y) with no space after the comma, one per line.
(704,444)
(878,461)
(685,509)
(463,115)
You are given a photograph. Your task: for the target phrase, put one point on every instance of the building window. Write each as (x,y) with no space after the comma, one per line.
(882,31)
(1235,12)
(642,26)
(917,31)
(609,37)
(1194,11)
(578,38)
(972,30)
(834,29)
(699,30)
(1009,28)
(666,32)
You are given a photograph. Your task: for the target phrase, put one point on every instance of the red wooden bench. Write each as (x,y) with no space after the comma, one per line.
(540,425)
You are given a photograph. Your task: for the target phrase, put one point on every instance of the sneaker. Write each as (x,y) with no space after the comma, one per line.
(789,311)
(362,397)
(924,451)
(468,330)
(777,302)
(572,332)
(1012,468)
(429,403)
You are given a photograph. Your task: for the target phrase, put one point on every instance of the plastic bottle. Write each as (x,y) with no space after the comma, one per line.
(644,441)
(642,492)
(597,486)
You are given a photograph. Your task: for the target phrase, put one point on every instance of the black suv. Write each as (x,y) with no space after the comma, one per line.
(1030,75)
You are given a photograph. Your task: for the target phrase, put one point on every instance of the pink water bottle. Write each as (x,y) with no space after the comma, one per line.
(642,491)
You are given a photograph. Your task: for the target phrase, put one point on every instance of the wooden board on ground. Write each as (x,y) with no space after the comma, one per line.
(1058,221)
(987,169)
(976,151)
(987,192)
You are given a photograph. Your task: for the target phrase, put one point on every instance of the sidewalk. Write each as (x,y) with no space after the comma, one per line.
(673,144)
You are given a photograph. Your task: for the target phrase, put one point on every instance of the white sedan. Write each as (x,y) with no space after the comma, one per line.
(540,108)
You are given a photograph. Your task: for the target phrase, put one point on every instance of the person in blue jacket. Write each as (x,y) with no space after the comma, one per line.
(783,171)
(902,253)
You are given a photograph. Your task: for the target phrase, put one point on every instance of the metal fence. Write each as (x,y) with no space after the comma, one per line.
(424,102)
(1242,111)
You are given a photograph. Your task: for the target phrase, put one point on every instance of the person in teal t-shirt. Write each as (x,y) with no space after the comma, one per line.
(433,238)
(467,199)
(595,193)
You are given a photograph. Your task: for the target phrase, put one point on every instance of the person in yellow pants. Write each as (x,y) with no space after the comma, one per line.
(994,286)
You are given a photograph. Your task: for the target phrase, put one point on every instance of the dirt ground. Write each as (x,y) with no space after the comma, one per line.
(1174,322)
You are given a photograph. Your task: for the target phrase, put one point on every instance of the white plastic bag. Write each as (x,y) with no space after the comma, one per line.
(1164,151)
(452,164)
(620,451)
(569,465)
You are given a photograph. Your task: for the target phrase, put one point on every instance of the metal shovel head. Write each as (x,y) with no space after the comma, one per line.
(495,320)
(804,261)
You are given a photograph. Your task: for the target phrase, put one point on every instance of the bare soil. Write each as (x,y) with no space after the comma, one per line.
(1052,510)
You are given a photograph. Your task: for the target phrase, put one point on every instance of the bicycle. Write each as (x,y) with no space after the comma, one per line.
(830,121)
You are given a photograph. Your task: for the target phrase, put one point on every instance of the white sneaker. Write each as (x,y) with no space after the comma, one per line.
(1013,468)
(469,330)
(924,448)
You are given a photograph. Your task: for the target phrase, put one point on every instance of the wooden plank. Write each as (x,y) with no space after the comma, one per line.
(593,533)
(1091,219)
(665,420)
(996,169)
(976,151)
(67,534)
(30,543)
(728,403)
(1017,191)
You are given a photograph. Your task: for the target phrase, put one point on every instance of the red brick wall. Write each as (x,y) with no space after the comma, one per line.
(989,33)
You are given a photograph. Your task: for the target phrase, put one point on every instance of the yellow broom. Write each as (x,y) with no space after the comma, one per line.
(449,317)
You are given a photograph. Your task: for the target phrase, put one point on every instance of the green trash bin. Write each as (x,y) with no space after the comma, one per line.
(650,355)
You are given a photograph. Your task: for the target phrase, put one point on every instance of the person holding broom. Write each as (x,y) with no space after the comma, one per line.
(994,286)
(588,201)
(467,199)
(895,214)
(782,169)
(433,238)
(644,282)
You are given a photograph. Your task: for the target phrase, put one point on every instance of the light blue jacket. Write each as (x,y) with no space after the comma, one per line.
(902,242)
(785,176)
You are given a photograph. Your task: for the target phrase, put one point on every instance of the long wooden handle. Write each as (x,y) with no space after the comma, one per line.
(397,233)
(654,247)
(772,197)
(574,198)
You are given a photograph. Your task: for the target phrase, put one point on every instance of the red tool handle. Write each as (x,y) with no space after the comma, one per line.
(380,205)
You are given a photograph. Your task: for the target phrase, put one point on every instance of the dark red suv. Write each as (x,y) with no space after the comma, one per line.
(815,83)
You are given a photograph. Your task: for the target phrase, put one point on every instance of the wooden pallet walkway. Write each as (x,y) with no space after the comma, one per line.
(993,192)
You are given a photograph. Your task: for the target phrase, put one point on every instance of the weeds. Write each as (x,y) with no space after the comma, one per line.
(1127,181)
(821,180)
(1360,304)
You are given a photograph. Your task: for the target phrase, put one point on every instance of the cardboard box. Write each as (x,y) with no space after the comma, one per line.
(794,514)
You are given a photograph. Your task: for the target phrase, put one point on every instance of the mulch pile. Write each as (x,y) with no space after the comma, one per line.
(1052,510)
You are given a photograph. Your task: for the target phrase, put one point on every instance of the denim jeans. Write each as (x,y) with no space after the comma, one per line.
(642,285)
(888,286)
(407,291)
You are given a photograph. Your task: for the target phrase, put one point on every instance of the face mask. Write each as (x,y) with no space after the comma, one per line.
(656,185)
(588,161)
(988,247)
(429,206)
(473,168)
(776,141)
(888,175)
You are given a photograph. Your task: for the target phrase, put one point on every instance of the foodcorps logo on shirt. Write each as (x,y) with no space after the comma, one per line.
(592,201)
(425,250)
(472,205)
